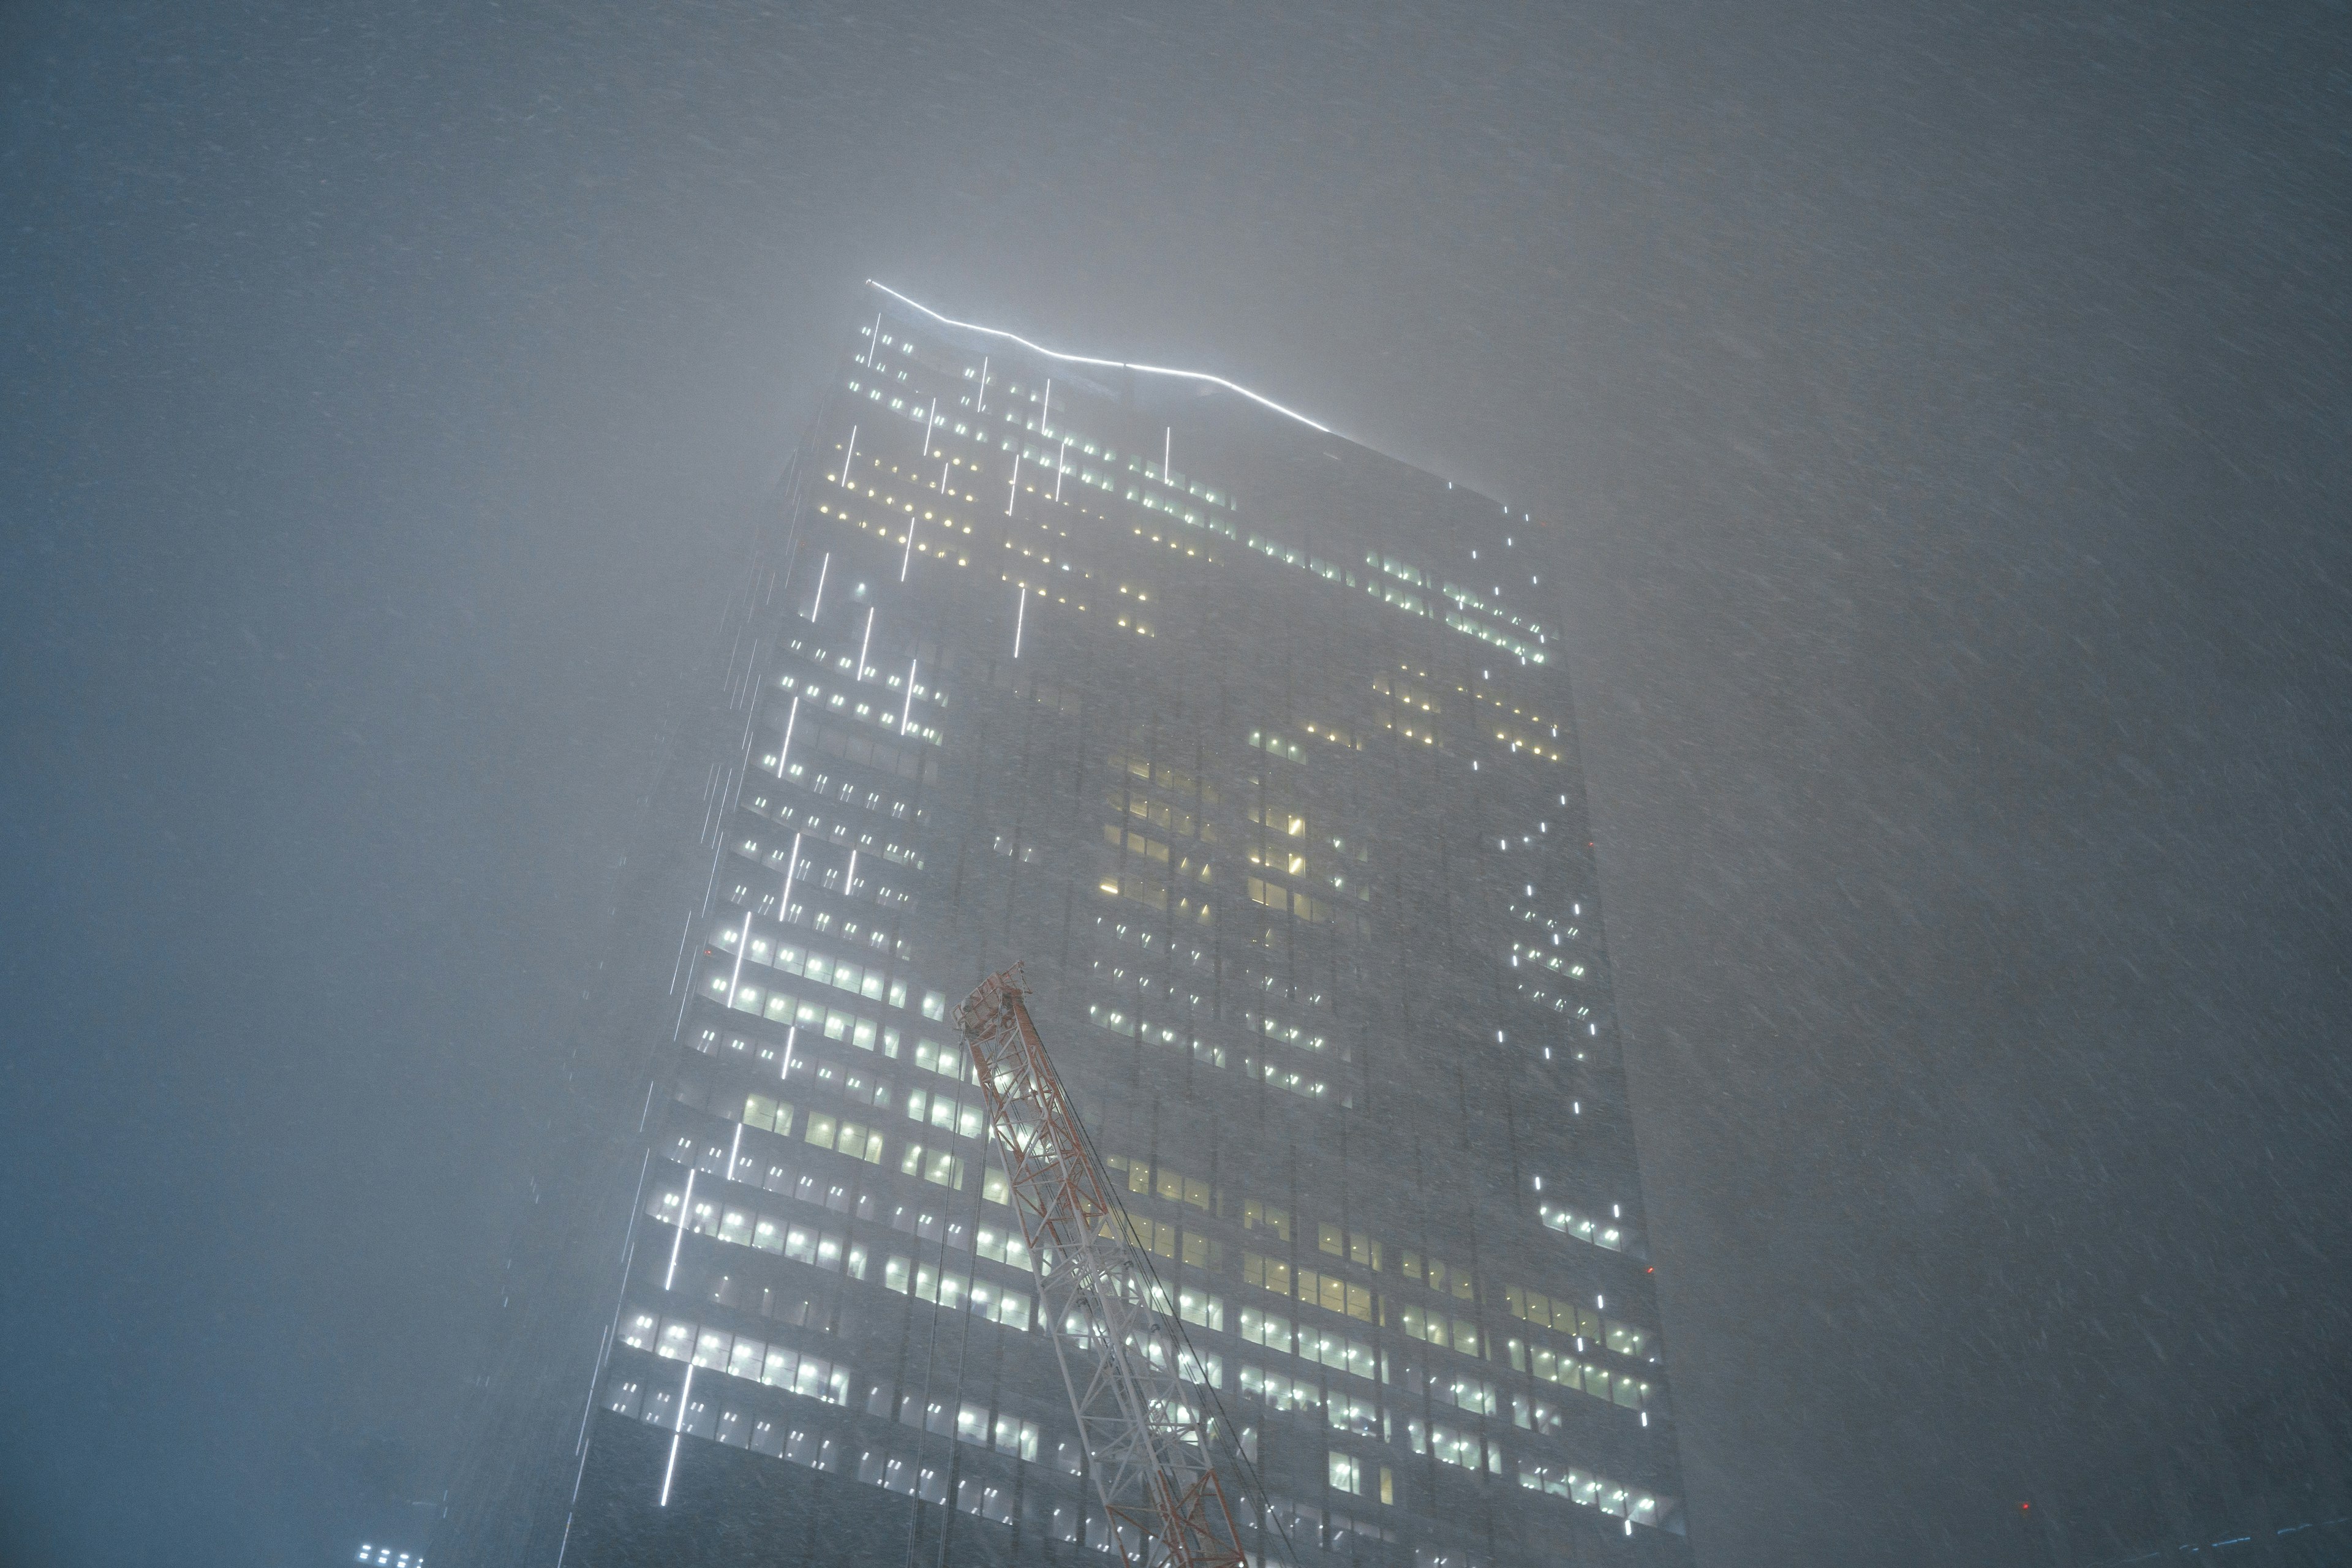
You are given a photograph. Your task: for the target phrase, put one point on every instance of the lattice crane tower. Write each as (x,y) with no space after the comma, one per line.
(1145,1440)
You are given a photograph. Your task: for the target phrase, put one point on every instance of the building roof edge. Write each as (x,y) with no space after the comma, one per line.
(1112,363)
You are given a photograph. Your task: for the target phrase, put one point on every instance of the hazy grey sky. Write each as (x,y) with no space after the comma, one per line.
(1946,409)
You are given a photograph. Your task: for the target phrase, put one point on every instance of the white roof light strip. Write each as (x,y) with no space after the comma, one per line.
(1087,359)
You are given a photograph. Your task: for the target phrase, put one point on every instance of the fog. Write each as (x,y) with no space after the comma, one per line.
(1945,410)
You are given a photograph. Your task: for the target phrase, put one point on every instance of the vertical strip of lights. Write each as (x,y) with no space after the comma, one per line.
(848,456)
(849,876)
(982,407)
(865,641)
(785,753)
(791,870)
(1045,418)
(742,940)
(678,966)
(928,419)
(684,1213)
(1018,617)
(1167,455)
(1061,467)
(685,1390)
(907,555)
(821,568)
(1013,491)
(909,709)
(874,340)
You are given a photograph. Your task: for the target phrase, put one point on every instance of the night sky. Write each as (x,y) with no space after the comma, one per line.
(1946,408)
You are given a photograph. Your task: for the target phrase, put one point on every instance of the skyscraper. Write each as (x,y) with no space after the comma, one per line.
(1256,747)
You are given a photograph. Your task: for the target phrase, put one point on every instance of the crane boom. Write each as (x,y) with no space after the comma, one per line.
(1146,1443)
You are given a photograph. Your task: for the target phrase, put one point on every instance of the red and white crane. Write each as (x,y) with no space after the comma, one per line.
(1118,1348)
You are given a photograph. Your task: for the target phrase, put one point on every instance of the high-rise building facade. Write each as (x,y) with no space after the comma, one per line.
(1255,746)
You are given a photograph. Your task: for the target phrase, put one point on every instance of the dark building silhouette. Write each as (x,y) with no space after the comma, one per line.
(1256,747)
(2266,1482)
